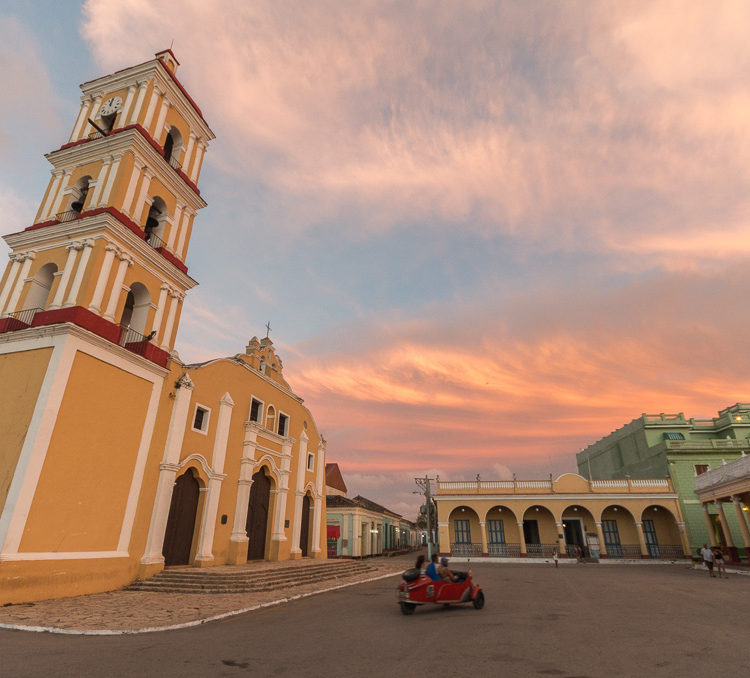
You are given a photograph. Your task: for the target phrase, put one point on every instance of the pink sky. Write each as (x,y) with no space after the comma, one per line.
(485,234)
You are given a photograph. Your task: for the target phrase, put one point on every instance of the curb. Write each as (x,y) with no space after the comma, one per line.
(184,625)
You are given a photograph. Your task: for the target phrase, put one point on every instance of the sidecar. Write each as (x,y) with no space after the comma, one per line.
(418,589)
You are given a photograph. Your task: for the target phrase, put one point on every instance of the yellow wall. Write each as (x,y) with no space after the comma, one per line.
(21,376)
(80,498)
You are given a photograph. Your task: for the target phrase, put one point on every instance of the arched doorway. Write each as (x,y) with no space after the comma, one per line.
(178,538)
(502,533)
(464,532)
(304,532)
(579,529)
(539,532)
(257,515)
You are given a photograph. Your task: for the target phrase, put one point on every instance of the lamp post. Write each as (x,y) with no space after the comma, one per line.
(424,485)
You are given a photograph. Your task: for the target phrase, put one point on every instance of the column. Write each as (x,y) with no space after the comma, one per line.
(156,134)
(58,175)
(82,115)
(684,540)
(740,519)
(602,545)
(174,226)
(175,296)
(561,546)
(100,181)
(205,544)
(521,539)
(28,257)
(110,179)
(159,315)
(299,494)
(168,471)
(319,497)
(483,535)
(180,251)
(138,166)
(142,86)
(198,159)
(709,526)
(155,94)
(238,541)
(126,105)
(278,534)
(92,115)
(724,524)
(16,260)
(109,257)
(138,209)
(86,245)
(443,538)
(60,193)
(188,151)
(62,284)
(642,540)
(114,295)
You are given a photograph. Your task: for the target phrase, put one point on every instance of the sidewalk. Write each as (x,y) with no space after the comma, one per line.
(141,611)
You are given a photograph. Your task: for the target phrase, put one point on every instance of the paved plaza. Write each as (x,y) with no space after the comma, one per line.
(578,620)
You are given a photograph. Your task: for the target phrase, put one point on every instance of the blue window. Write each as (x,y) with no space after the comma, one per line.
(463,533)
(649,532)
(496,531)
(611,538)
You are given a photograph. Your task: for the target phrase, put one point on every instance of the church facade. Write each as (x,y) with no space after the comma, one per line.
(116,458)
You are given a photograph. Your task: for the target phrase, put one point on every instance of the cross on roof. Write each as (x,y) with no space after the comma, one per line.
(268,328)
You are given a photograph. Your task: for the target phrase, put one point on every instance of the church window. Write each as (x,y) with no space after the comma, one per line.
(283,424)
(310,461)
(256,410)
(172,146)
(200,420)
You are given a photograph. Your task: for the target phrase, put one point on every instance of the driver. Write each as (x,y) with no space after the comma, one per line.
(446,574)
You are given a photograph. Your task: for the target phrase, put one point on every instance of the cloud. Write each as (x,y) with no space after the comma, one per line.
(570,129)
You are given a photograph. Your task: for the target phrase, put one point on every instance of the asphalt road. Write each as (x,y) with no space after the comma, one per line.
(579,620)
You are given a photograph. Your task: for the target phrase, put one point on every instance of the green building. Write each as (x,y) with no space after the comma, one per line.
(660,445)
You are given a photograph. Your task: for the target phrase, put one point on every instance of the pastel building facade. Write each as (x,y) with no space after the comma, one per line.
(569,516)
(679,448)
(115,457)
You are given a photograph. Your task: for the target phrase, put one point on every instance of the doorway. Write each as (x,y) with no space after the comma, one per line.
(573,530)
(304,531)
(178,536)
(257,516)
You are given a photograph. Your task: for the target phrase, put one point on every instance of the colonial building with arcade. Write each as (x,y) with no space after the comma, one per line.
(116,458)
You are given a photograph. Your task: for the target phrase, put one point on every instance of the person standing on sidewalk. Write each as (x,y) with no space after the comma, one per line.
(719,560)
(708,559)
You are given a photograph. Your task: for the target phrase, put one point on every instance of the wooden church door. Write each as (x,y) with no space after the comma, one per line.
(178,537)
(305,527)
(257,516)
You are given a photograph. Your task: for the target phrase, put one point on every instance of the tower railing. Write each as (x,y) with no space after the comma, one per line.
(23,317)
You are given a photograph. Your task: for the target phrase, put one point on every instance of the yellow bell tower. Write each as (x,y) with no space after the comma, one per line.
(89,308)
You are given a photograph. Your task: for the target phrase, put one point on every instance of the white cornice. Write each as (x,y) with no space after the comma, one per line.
(151,70)
(128,140)
(542,498)
(108,227)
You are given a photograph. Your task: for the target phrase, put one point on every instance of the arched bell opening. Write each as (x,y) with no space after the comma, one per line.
(155,222)
(40,287)
(135,312)
(172,146)
(79,193)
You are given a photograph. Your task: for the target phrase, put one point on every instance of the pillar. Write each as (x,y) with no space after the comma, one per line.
(561,546)
(114,295)
(100,181)
(156,134)
(175,297)
(642,540)
(200,150)
(101,283)
(483,534)
(142,86)
(731,548)
(62,283)
(709,526)
(743,525)
(28,257)
(92,115)
(299,494)
(206,541)
(188,152)
(278,534)
(159,315)
(57,204)
(140,202)
(168,471)
(684,540)
(521,540)
(180,251)
(82,115)
(238,540)
(46,207)
(174,226)
(602,545)
(320,462)
(15,265)
(110,179)
(130,190)
(126,105)
(75,288)
(155,95)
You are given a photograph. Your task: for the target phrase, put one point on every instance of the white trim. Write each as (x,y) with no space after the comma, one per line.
(206,419)
(63,555)
(261,411)
(540,498)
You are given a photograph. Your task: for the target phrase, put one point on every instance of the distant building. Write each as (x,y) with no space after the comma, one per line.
(360,527)
(669,445)
(570,516)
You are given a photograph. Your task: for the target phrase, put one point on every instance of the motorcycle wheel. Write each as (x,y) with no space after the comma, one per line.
(407,608)
(478,602)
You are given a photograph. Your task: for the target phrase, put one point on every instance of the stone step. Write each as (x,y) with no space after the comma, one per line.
(257,574)
(248,577)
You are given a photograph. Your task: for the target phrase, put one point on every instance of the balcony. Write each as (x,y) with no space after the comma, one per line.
(731,471)
(18,320)
(552,487)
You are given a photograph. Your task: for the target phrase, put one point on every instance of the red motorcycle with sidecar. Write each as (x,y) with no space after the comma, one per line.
(418,589)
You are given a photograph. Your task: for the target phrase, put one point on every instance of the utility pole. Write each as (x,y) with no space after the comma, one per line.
(424,485)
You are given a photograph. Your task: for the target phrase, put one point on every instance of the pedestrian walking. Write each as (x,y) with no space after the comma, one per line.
(555,556)
(708,559)
(719,561)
